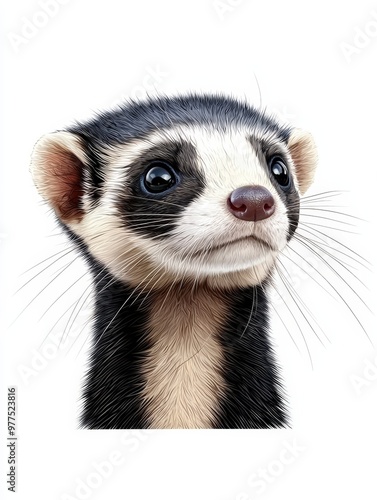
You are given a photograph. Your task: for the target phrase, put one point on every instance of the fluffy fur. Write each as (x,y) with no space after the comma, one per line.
(181,314)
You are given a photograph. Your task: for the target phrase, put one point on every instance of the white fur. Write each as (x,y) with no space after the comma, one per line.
(227,161)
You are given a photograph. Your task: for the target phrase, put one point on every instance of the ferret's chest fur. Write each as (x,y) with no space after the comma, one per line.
(183,366)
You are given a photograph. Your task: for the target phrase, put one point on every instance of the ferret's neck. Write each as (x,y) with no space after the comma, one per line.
(183,357)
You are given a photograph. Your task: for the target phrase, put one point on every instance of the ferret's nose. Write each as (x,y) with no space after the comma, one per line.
(252,203)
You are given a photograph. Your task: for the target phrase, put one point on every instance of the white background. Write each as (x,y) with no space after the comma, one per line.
(316,67)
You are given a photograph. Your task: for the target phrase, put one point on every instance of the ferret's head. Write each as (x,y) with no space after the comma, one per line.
(203,189)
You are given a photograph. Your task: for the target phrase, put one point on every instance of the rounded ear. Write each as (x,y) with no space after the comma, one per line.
(57,165)
(304,155)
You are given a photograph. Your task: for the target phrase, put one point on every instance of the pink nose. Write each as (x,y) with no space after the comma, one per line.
(252,203)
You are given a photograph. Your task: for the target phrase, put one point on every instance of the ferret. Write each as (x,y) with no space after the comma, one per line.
(180,207)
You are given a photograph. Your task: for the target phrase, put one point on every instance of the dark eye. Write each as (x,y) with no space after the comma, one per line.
(159,177)
(279,170)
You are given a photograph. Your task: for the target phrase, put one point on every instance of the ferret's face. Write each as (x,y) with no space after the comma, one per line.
(185,202)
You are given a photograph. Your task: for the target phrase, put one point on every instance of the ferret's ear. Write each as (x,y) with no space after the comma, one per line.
(57,165)
(304,155)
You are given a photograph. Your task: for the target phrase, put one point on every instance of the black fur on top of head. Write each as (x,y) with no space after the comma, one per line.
(135,120)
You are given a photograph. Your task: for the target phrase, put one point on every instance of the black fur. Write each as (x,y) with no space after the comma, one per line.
(113,384)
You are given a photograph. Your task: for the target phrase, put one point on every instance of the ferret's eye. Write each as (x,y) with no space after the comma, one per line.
(279,171)
(159,177)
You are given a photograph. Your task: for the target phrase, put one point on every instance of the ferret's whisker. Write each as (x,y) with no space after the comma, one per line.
(313,225)
(41,291)
(79,336)
(47,259)
(338,294)
(56,322)
(43,270)
(334,271)
(324,193)
(343,214)
(280,317)
(155,273)
(72,317)
(254,302)
(294,291)
(327,218)
(297,323)
(293,294)
(62,294)
(343,264)
(335,241)
(323,243)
